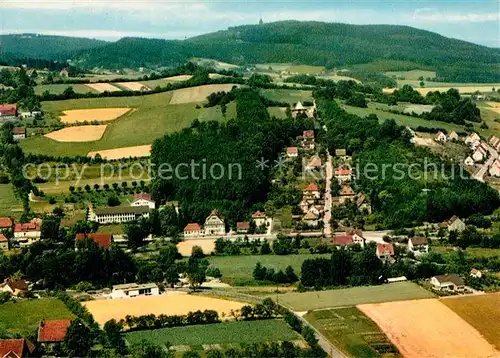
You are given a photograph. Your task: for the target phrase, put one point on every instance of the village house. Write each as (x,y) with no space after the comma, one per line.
(448,283)
(4,242)
(143,199)
(453,136)
(494,142)
(385,252)
(18,133)
(440,137)
(480,154)
(418,245)
(469,161)
(64,72)
(242,227)
(259,218)
(475,145)
(8,112)
(130,290)
(117,214)
(346,193)
(454,224)
(292,152)
(343,240)
(311,192)
(472,138)
(298,109)
(214,224)
(494,169)
(343,174)
(476,273)
(314,164)
(357,236)
(102,239)
(51,332)
(14,287)
(5,223)
(307,140)
(27,233)
(311,219)
(29,114)
(16,348)
(193,229)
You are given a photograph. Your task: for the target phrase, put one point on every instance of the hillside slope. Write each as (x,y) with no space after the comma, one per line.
(314,43)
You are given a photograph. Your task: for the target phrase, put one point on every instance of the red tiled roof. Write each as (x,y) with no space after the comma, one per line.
(102,239)
(309,134)
(8,347)
(352,231)
(144,196)
(243,225)
(8,109)
(258,215)
(26,227)
(19,130)
(343,240)
(346,191)
(3,238)
(53,330)
(192,227)
(292,150)
(384,249)
(20,285)
(5,223)
(418,241)
(343,171)
(311,187)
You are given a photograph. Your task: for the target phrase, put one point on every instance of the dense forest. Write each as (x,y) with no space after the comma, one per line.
(233,148)
(313,43)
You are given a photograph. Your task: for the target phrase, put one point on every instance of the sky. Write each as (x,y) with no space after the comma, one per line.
(474,21)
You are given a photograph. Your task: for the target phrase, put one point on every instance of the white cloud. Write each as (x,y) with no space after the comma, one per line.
(430,14)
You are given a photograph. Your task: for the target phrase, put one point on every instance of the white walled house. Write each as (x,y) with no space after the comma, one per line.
(418,245)
(118,214)
(292,152)
(18,133)
(311,192)
(27,233)
(495,168)
(130,290)
(440,137)
(143,199)
(453,136)
(469,161)
(448,283)
(472,138)
(479,154)
(259,218)
(193,229)
(214,224)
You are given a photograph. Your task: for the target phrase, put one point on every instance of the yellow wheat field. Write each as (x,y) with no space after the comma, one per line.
(97,114)
(134,86)
(124,152)
(175,303)
(427,328)
(78,133)
(198,94)
(102,87)
(461,89)
(185,247)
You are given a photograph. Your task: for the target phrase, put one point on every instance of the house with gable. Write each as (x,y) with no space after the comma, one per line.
(143,199)
(292,152)
(494,169)
(242,227)
(102,239)
(418,245)
(448,283)
(343,240)
(193,229)
(385,252)
(14,287)
(18,133)
(311,218)
(343,174)
(472,138)
(4,242)
(311,192)
(51,332)
(357,236)
(469,161)
(8,112)
(259,218)
(214,224)
(27,233)
(346,193)
(440,137)
(480,154)
(453,136)
(16,348)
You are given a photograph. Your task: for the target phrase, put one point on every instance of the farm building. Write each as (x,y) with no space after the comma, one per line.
(385,252)
(143,199)
(102,239)
(259,218)
(118,214)
(14,287)
(16,348)
(130,290)
(450,283)
(214,224)
(193,229)
(418,245)
(8,112)
(27,233)
(292,152)
(18,133)
(4,242)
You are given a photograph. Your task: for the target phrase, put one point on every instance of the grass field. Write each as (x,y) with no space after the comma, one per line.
(354,296)
(287,95)
(153,118)
(427,328)
(221,333)
(24,317)
(59,88)
(277,112)
(10,205)
(481,311)
(237,270)
(351,331)
(411,75)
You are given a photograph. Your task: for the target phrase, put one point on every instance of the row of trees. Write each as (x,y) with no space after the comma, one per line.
(262,273)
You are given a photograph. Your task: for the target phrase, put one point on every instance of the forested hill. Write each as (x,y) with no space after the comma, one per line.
(43,46)
(314,43)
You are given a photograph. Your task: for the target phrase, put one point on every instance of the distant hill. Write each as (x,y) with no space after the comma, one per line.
(314,43)
(43,46)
